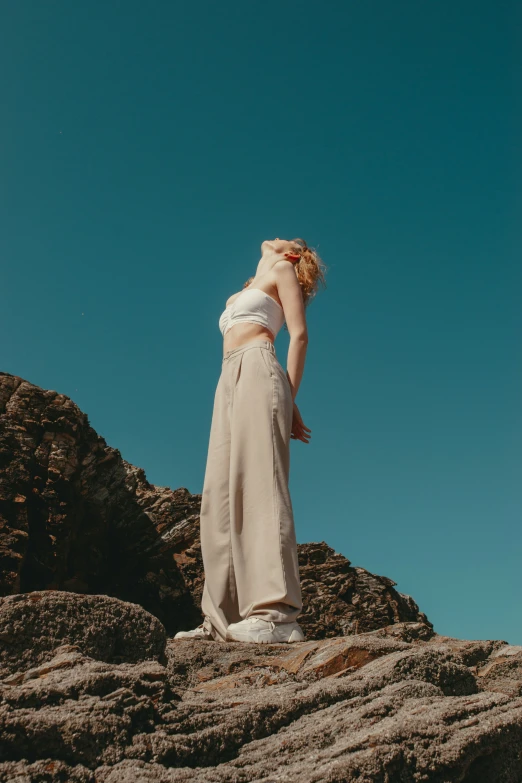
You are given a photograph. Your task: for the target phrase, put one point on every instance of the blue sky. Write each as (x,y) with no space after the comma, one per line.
(149,148)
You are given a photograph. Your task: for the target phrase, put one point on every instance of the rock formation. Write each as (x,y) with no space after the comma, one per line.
(75,516)
(99,568)
(93,691)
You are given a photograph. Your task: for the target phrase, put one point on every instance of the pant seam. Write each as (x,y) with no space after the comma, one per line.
(265,361)
(232,588)
(275,502)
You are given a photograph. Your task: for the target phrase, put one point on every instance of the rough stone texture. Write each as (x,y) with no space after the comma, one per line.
(94,689)
(75,516)
(34,624)
(396,704)
(340,599)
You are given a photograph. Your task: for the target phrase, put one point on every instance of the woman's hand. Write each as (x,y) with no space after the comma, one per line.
(298,428)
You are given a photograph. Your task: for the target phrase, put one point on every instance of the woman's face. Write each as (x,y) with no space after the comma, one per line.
(277,245)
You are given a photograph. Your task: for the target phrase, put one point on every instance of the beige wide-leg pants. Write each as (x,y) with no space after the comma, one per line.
(247,527)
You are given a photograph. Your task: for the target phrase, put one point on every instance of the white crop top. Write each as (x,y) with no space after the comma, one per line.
(253,306)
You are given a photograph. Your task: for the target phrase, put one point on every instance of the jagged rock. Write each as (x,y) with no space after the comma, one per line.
(396,704)
(75,516)
(340,599)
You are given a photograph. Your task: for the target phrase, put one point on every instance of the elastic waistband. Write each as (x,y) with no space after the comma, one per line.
(258,342)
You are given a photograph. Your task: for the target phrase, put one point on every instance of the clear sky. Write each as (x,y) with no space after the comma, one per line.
(147,149)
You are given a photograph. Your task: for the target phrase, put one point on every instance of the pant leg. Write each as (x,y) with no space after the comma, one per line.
(219,600)
(264,546)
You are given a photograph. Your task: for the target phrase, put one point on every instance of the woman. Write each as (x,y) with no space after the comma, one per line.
(252,591)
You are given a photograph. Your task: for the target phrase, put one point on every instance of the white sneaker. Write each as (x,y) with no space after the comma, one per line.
(203,631)
(256,629)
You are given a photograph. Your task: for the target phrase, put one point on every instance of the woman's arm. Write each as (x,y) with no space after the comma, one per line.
(289,292)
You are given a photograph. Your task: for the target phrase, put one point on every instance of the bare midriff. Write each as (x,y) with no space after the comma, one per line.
(242,333)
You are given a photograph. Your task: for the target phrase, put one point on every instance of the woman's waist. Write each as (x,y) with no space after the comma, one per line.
(243,333)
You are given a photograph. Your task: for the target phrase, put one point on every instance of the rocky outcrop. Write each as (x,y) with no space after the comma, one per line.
(340,599)
(108,698)
(98,570)
(75,516)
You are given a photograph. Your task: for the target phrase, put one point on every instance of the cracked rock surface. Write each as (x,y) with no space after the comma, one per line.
(108,697)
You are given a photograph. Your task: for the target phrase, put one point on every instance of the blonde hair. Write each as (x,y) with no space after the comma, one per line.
(310,270)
